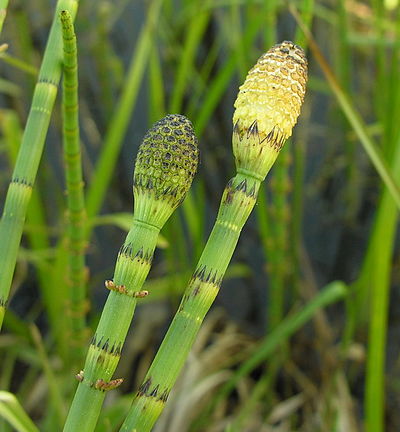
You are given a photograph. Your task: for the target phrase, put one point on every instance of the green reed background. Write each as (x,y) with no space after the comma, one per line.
(276,359)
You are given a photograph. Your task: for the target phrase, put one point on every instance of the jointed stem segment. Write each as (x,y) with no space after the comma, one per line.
(132,267)
(74,186)
(122,290)
(164,169)
(237,203)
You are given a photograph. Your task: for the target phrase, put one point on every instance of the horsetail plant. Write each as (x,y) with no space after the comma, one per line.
(267,108)
(164,170)
(75,199)
(24,175)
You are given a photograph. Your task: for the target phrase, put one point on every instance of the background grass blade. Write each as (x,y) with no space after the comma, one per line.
(122,114)
(354,118)
(12,411)
(329,294)
(3,13)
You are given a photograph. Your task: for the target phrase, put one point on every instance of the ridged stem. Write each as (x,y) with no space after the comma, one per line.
(24,175)
(132,267)
(74,187)
(237,203)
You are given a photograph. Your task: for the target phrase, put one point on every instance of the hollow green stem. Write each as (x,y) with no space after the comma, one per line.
(24,175)
(164,170)
(132,267)
(75,200)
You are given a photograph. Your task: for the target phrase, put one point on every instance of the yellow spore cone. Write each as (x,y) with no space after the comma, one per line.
(267,107)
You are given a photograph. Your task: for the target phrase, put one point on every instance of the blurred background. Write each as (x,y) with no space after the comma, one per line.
(268,358)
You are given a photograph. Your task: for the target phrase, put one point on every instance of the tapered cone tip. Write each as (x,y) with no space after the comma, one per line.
(269,101)
(166,162)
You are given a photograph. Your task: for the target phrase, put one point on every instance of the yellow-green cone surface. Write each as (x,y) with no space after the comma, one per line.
(165,166)
(267,107)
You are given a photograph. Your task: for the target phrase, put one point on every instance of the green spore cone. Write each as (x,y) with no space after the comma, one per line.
(164,170)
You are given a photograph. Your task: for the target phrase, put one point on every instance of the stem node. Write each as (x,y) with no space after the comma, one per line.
(108,385)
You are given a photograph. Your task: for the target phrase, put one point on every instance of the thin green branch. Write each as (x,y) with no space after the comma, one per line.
(18,64)
(24,175)
(76,242)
